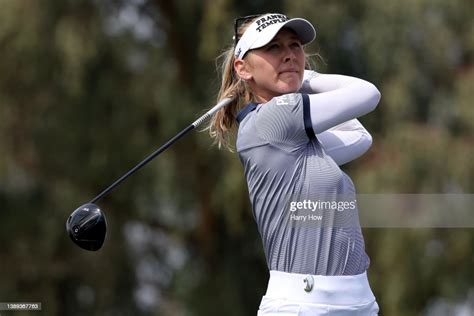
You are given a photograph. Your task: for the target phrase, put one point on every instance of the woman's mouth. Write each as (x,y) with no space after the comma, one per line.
(288,71)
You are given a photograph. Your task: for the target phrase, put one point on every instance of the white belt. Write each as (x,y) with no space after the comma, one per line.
(319,289)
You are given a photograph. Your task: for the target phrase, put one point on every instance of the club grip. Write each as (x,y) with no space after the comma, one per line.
(209,113)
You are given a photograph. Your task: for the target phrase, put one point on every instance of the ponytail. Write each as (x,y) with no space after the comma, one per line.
(223,124)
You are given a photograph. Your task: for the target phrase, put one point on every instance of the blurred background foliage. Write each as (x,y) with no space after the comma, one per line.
(89,88)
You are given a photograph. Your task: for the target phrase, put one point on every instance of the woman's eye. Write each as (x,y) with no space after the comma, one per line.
(296,44)
(273,46)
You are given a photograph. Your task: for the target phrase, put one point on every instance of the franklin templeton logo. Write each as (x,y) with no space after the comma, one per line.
(269,20)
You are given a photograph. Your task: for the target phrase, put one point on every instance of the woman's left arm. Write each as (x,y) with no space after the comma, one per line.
(345,142)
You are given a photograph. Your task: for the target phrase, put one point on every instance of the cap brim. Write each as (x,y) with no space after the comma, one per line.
(303,29)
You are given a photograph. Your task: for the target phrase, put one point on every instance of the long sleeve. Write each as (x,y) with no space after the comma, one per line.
(336,99)
(345,142)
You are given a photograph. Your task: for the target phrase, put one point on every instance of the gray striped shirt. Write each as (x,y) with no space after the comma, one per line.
(283,165)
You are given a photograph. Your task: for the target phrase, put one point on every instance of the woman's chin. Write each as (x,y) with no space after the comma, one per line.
(290,85)
(291,88)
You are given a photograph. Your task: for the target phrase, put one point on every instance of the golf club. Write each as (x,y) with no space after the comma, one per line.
(87,225)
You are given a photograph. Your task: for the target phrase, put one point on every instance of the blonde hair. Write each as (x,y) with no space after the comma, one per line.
(223,124)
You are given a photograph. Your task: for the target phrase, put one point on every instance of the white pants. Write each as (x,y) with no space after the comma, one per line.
(292,294)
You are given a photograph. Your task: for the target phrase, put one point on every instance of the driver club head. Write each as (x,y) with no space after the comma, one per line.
(87,227)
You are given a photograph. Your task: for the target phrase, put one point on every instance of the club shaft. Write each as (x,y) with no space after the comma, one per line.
(161,149)
(143,163)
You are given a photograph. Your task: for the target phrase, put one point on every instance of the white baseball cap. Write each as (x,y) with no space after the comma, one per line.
(265,27)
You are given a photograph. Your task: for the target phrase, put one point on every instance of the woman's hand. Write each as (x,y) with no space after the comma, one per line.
(308,76)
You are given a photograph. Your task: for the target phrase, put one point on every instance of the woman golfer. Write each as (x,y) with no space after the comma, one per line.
(295,128)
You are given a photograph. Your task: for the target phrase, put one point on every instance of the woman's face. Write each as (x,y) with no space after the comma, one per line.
(275,69)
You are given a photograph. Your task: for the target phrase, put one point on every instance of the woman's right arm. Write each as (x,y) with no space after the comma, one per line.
(335,99)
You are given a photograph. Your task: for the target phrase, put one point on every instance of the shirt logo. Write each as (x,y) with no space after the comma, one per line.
(282,100)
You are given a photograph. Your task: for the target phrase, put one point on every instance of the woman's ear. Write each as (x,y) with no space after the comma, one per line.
(241,69)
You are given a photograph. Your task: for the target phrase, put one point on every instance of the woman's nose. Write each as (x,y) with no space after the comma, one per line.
(288,54)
